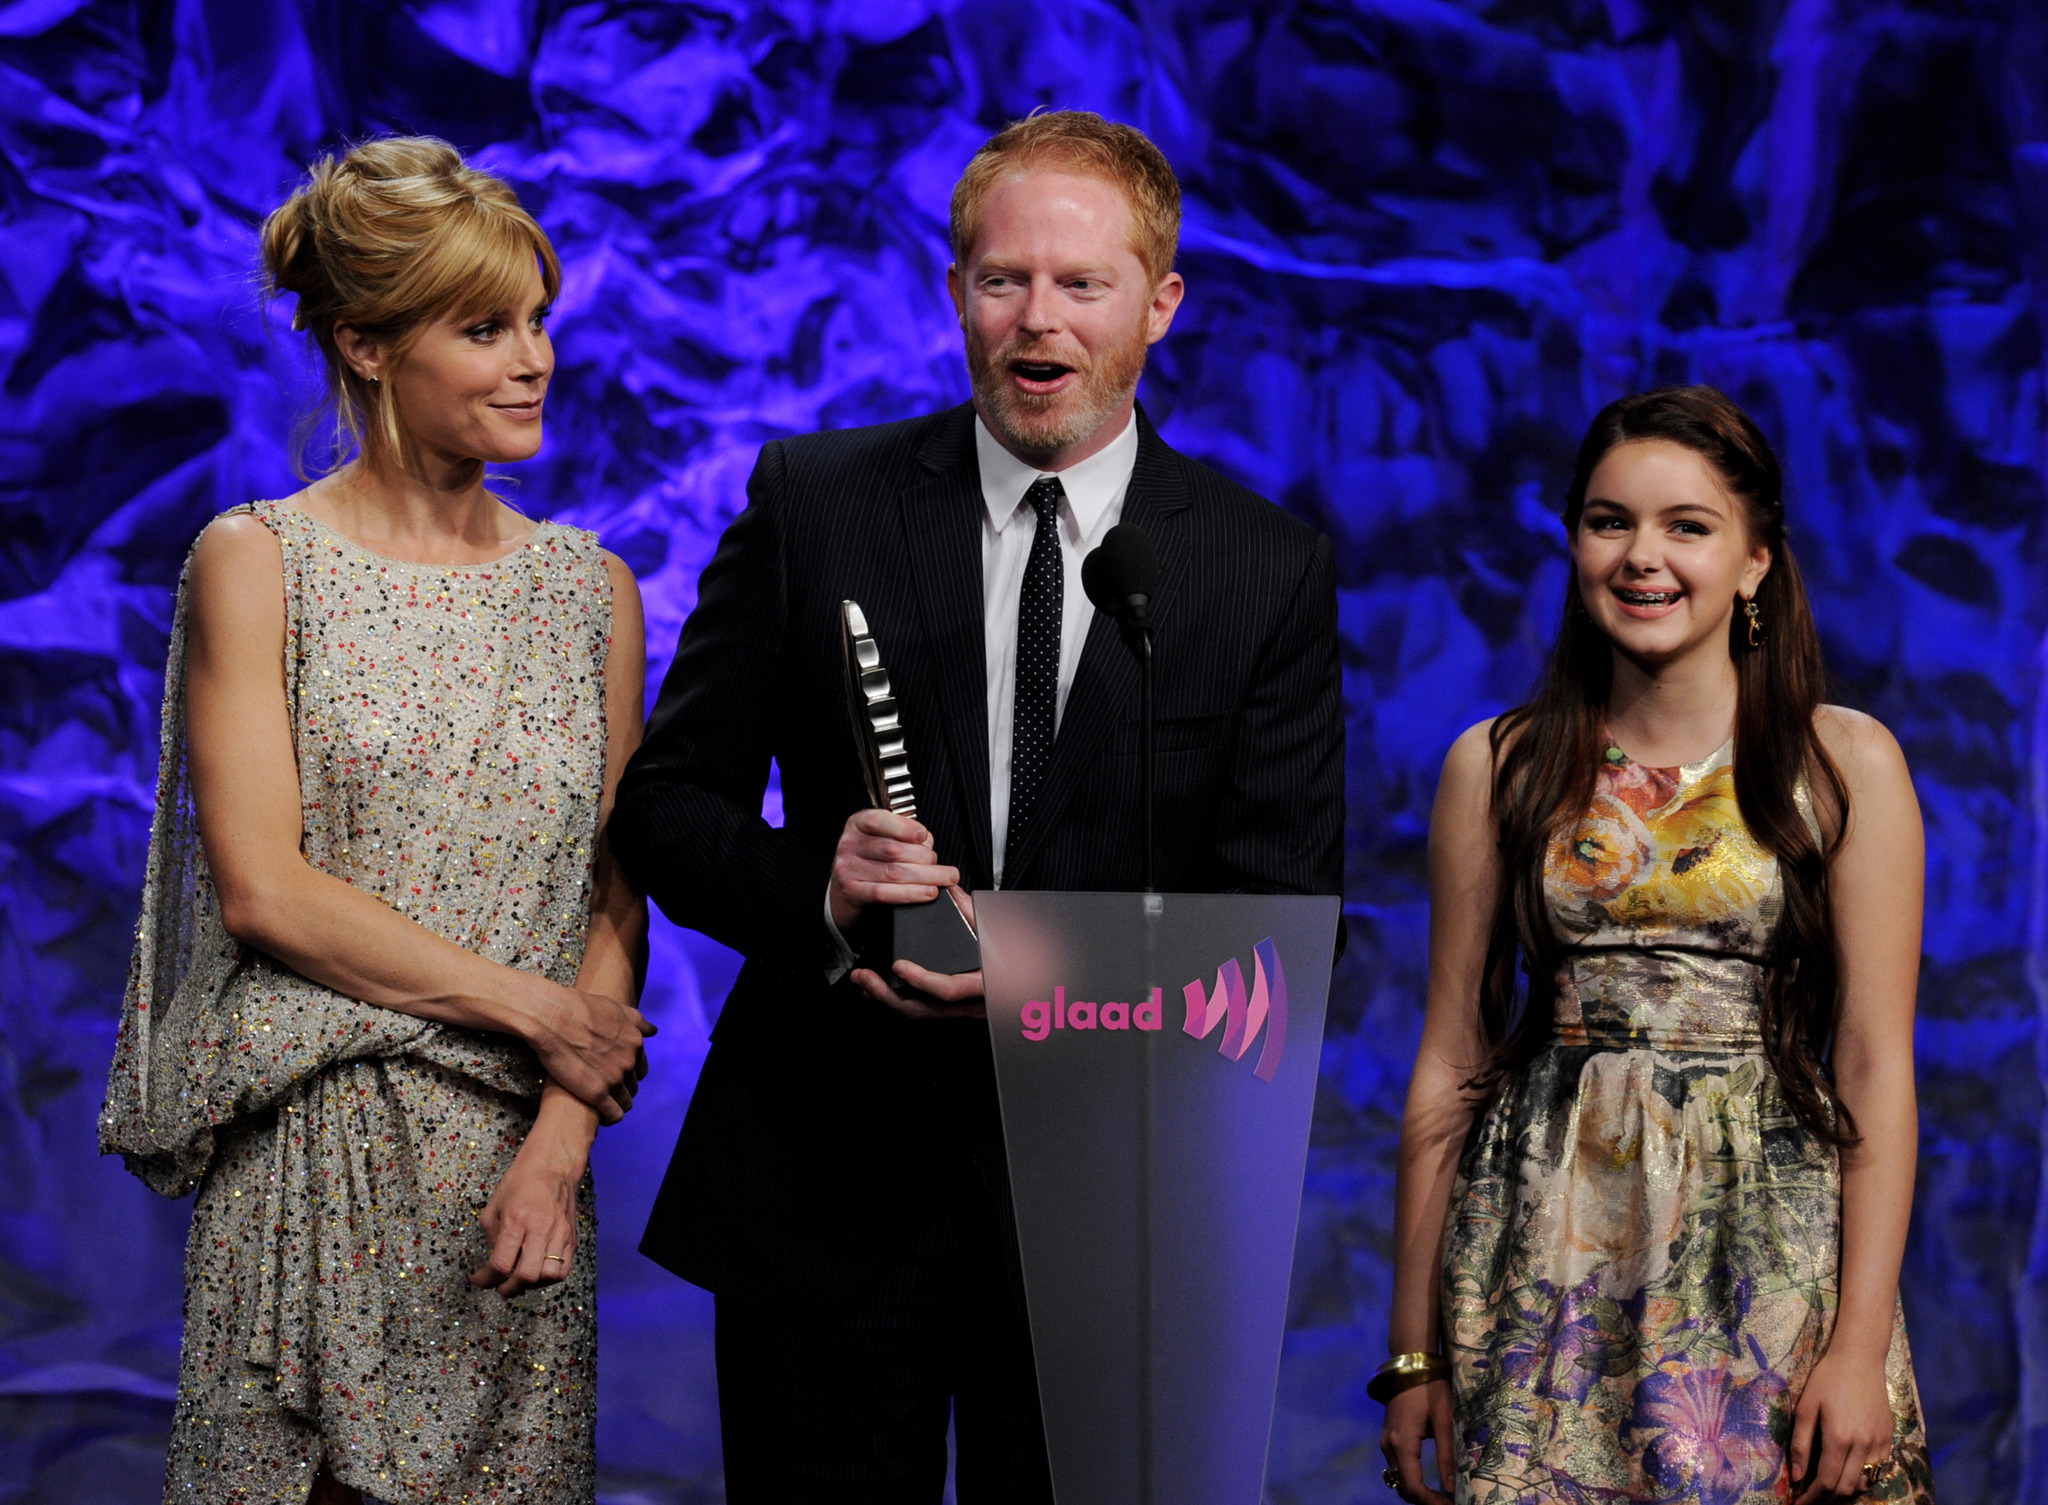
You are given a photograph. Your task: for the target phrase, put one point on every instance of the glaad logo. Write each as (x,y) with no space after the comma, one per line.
(1242,1017)
(1041,1018)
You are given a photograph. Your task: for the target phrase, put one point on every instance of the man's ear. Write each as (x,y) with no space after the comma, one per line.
(1165,302)
(953,290)
(364,355)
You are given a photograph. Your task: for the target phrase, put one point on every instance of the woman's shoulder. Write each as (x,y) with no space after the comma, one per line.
(235,585)
(1878,785)
(241,545)
(624,583)
(279,520)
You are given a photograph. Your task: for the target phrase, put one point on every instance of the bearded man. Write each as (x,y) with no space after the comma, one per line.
(839,1183)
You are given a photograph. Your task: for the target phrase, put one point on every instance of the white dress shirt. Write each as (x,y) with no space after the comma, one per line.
(1093,503)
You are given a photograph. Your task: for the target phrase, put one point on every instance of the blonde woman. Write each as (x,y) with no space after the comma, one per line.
(384,980)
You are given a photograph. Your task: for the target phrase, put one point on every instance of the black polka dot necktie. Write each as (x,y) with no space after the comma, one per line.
(1038,658)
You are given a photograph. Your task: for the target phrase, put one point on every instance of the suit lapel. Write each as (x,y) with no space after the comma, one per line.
(1105,687)
(942,513)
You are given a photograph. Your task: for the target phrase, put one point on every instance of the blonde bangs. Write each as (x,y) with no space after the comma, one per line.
(483,262)
(477,266)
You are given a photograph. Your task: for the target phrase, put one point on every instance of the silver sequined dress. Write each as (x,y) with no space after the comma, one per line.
(449,725)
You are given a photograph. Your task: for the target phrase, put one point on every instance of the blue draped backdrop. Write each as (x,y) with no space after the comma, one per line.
(1425,240)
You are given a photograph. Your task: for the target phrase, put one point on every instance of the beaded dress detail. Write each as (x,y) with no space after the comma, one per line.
(1642,1257)
(450,733)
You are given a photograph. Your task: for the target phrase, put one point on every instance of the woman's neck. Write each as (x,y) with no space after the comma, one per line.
(1669,714)
(439,513)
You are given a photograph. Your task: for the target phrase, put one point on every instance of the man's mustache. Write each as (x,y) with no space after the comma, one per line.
(1035,354)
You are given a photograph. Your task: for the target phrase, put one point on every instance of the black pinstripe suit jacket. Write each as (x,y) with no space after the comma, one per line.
(822,1118)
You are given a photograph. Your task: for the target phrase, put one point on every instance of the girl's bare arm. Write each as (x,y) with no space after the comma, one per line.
(1464,881)
(1876,877)
(1876,882)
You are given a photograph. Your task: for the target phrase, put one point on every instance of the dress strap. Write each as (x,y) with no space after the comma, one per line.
(296,535)
(577,550)
(1802,796)
(573,559)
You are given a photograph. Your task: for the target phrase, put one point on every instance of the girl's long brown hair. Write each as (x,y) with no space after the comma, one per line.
(1547,754)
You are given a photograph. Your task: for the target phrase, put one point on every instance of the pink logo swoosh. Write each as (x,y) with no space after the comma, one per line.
(1243,1017)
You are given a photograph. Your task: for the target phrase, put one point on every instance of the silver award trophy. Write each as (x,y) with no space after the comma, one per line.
(935,935)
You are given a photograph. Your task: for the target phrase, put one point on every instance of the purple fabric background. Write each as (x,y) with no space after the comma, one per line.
(1425,241)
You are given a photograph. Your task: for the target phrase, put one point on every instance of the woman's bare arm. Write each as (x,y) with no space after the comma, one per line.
(615,953)
(531,1220)
(245,785)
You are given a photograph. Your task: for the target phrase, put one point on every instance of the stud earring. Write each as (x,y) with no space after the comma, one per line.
(1756,623)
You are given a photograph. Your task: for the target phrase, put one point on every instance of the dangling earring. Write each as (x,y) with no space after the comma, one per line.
(1756,623)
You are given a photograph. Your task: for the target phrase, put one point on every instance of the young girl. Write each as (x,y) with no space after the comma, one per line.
(384,981)
(1663,1262)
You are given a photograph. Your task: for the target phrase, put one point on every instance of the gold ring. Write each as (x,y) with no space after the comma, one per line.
(1877,1469)
(555,1257)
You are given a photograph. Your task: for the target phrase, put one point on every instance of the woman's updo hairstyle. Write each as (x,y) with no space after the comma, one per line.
(391,236)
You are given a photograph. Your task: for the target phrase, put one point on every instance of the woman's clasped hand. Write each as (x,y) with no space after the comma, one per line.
(594,1047)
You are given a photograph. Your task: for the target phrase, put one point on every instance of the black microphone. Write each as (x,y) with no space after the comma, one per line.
(1121,576)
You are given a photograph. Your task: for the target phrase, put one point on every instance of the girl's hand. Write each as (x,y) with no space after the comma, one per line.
(1846,1405)
(1420,1411)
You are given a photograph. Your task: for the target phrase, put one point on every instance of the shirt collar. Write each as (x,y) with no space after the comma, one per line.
(1092,486)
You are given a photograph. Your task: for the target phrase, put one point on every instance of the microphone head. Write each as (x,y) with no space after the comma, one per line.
(1123,565)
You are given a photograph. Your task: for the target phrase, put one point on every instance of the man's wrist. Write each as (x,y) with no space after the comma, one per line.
(841,913)
(842,957)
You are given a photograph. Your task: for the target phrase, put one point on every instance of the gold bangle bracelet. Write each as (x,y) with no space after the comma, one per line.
(1404,1371)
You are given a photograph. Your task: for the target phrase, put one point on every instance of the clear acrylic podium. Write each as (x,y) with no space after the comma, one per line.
(1156,1057)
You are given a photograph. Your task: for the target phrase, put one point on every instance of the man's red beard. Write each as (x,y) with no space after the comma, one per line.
(1039,426)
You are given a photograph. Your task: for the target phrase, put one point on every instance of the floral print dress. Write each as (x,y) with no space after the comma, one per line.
(1642,1257)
